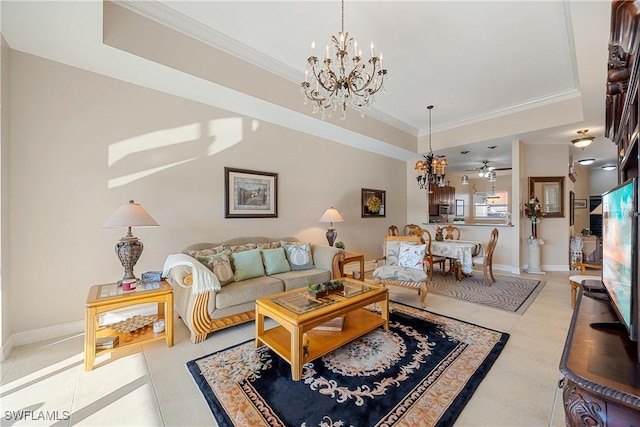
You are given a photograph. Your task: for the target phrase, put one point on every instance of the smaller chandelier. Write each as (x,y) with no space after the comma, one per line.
(343,82)
(583,141)
(431,170)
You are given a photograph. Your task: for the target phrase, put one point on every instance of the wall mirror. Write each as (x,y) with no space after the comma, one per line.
(550,191)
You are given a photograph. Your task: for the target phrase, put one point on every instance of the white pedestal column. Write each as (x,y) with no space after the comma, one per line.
(534,256)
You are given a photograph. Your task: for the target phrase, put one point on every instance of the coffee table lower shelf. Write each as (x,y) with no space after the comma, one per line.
(356,324)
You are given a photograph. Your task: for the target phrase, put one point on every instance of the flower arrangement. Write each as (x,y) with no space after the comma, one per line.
(533,210)
(326,288)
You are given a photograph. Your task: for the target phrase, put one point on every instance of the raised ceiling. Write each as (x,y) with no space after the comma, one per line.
(477,61)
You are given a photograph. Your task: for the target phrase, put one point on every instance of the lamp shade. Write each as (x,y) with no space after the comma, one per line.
(130,215)
(597,210)
(331,215)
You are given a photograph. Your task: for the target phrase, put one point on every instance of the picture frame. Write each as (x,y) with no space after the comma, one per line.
(572,199)
(250,194)
(373,203)
(580,203)
(459,207)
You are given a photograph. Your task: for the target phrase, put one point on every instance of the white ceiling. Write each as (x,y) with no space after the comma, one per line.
(474,60)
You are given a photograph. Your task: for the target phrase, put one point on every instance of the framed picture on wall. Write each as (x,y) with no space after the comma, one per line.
(572,199)
(372,203)
(250,194)
(459,207)
(580,203)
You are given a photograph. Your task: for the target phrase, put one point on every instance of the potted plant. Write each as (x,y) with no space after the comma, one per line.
(321,290)
(459,219)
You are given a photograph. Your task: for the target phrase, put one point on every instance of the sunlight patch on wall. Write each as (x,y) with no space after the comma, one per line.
(153,140)
(225,133)
(126,179)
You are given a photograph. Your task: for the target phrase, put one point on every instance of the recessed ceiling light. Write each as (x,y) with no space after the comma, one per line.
(586,162)
(609,167)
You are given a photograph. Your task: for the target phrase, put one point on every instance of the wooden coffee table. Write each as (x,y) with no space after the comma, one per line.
(297,315)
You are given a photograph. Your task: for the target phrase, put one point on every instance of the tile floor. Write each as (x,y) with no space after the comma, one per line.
(150,384)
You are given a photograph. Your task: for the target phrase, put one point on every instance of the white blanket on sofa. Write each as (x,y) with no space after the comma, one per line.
(203,279)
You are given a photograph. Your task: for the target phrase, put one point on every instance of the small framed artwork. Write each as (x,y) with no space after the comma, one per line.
(373,203)
(572,203)
(459,207)
(250,194)
(580,203)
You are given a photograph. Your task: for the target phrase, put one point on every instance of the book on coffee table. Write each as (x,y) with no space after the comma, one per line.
(334,325)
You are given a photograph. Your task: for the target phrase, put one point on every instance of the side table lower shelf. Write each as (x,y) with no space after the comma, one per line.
(109,297)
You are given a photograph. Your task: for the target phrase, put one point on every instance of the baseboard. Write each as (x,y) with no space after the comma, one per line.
(5,349)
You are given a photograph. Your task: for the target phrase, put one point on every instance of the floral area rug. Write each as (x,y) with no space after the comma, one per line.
(421,372)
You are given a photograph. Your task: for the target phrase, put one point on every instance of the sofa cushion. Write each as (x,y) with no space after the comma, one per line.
(301,278)
(275,261)
(247,264)
(242,248)
(220,264)
(268,245)
(411,256)
(249,290)
(299,255)
(206,252)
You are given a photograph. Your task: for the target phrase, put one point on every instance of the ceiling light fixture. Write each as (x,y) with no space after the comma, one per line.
(583,140)
(347,82)
(609,167)
(492,195)
(586,162)
(431,169)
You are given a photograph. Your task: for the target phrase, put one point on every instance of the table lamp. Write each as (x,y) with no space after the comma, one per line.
(129,248)
(331,215)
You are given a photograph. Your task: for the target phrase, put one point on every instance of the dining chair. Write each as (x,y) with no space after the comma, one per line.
(430,259)
(576,280)
(393,231)
(403,264)
(486,261)
(409,227)
(451,232)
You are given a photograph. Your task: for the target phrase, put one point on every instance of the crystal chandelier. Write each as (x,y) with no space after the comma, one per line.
(431,169)
(344,81)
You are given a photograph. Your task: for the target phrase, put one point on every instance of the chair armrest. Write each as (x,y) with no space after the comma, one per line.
(377,260)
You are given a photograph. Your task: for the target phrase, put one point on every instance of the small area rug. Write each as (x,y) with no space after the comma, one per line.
(509,293)
(421,372)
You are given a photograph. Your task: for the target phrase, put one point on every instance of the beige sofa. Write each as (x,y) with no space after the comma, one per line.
(234,303)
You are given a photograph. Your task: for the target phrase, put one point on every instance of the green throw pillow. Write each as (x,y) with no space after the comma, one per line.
(248,264)
(275,261)
(299,255)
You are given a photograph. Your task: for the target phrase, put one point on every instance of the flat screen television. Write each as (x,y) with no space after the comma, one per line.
(620,253)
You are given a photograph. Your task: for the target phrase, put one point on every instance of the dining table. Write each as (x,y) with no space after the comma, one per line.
(461,252)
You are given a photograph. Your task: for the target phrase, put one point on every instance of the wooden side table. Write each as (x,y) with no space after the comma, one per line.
(352,257)
(109,297)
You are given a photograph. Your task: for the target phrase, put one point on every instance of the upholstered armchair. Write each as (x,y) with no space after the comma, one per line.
(403,264)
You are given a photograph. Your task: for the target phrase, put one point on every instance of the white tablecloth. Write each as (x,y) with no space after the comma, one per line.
(462,250)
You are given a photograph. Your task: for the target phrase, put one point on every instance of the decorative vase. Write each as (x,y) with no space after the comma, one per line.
(439,237)
(534,228)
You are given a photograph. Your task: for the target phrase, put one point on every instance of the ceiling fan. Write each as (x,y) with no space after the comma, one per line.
(485,171)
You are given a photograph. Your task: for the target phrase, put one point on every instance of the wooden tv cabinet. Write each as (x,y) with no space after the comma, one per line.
(601,370)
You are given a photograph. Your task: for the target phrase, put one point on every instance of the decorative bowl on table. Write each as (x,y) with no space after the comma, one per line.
(324,289)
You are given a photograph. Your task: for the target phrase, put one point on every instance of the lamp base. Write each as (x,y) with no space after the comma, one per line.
(128,251)
(331,235)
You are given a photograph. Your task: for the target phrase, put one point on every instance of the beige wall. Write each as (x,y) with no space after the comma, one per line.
(5,114)
(82,144)
(548,160)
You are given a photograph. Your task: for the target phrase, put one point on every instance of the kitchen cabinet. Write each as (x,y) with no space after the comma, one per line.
(442,195)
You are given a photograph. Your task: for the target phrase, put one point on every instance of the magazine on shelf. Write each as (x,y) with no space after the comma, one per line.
(334,325)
